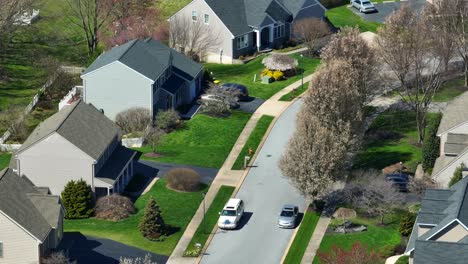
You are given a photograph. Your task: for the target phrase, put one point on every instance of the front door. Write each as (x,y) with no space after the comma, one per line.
(265,38)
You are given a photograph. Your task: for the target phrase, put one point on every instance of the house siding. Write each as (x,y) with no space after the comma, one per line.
(279,42)
(216,27)
(249,50)
(115,88)
(18,246)
(444,176)
(39,163)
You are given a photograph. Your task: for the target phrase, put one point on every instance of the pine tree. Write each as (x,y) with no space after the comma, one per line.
(152,225)
(77,199)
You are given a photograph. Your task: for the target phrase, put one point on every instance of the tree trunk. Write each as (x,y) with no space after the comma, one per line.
(466,73)
(382,219)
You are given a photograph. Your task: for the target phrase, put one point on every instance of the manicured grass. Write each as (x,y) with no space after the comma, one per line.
(399,144)
(376,237)
(254,140)
(177,210)
(244,74)
(169,7)
(203,141)
(299,245)
(211,217)
(342,16)
(4,160)
(288,49)
(293,94)
(450,90)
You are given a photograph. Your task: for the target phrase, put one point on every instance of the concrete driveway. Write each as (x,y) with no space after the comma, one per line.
(386,9)
(250,105)
(153,169)
(264,191)
(91,250)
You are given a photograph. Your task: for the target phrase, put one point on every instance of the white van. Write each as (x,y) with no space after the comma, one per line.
(231,215)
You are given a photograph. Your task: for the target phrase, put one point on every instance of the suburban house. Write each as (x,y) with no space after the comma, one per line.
(141,73)
(78,142)
(246,26)
(453,134)
(31,220)
(440,233)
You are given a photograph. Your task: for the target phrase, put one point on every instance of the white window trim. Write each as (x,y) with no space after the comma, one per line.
(194,16)
(242,44)
(278,27)
(205,16)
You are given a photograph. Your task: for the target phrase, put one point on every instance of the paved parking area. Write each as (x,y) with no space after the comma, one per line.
(153,169)
(251,105)
(386,9)
(91,250)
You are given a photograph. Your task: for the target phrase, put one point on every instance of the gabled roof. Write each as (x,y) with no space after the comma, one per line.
(435,252)
(241,16)
(148,57)
(21,201)
(455,114)
(82,125)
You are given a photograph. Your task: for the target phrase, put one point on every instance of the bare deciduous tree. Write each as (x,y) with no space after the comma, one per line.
(328,127)
(405,46)
(221,101)
(310,30)
(9,11)
(153,137)
(377,196)
(193,38)
(133,120)
(348,45)
(91,16)
(146,260)
(13,119)
(57,258)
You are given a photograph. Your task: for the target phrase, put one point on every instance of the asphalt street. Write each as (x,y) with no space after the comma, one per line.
(386,9)
(264,191)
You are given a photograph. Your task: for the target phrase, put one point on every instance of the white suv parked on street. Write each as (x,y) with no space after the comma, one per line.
(232,214)
(363,6)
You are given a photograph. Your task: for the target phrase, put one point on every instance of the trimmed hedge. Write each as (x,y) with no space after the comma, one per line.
(431,144)
(406,224)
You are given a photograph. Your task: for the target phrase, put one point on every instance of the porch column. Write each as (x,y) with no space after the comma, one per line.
(108,191)
(259,41)
(271,34)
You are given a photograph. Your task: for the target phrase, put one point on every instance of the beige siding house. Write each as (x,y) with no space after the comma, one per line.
(31,220)
(453,134)
(440,233)
(78,142)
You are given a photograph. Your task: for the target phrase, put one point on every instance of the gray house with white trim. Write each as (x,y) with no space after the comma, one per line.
(440,233)
(246,26)
(78,142)
(31,220)
(141,73)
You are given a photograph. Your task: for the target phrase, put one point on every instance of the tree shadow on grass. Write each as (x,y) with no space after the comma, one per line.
(380,159)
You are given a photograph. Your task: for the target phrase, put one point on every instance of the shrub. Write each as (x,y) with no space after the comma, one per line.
(183,179)
(152,225)
(146,260)
(403,260)
(406,224)
(267,72)
(167,120)
(457,175)
(134,119)
(387,251)
(77,199)
(278,75)
(58,257)
(431,144)
(114,207)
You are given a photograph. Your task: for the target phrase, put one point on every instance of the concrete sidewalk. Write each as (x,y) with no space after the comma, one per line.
(229,177)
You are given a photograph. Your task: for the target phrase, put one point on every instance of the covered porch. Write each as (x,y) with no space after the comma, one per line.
(263,38)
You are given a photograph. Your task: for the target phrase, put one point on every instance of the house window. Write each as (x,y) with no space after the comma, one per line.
(206,19)
(194,16)
(242,41)
(279,31)
(1,249)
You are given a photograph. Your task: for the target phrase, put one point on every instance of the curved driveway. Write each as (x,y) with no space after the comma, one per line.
(264,191)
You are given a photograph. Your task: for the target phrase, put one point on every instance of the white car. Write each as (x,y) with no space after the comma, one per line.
(231,215)
(363,6)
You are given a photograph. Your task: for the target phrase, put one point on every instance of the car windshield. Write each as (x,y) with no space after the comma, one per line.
(366,3)
(228,212)
(287,213)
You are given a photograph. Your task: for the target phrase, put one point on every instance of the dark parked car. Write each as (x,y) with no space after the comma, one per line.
(399,181)
(244,93)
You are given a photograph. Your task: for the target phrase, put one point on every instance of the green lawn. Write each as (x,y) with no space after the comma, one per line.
(450,90)
(177,210)
(254,140)
(244,74)
(169,7)
(211,217)
(299,245)
(376,237)
(4,160)
(203,141)
(392,138)
(342,16)
(293,94)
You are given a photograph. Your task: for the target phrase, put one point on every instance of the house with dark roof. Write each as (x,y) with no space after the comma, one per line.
(243,27)
(78,142)
(141,73)
(31,220)
(440,233)
(453,134)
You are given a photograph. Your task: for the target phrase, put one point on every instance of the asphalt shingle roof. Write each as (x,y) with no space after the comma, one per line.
(435,252)
(149,57)
(115,164)
(82,125)
(27,206)
(455,114)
